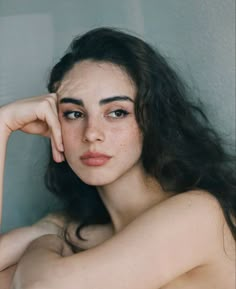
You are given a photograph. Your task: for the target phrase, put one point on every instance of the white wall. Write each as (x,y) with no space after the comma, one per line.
(197,36)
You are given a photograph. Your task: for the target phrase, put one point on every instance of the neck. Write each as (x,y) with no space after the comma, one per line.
(129,196)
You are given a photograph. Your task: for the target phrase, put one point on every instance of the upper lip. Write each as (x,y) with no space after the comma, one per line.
(89,155)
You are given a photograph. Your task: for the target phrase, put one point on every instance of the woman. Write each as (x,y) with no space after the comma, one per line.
(135,161)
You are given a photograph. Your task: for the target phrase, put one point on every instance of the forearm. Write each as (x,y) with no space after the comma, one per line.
(14,243)
(6,277)
(45,252)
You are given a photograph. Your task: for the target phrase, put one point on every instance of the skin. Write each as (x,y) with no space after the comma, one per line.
(6,277)
(176,244)
(98,128)
(53,224)
(170,241)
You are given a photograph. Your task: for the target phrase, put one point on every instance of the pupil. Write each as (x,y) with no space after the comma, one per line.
(118,113)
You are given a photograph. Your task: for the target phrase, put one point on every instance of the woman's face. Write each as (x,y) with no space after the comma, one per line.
(101,137)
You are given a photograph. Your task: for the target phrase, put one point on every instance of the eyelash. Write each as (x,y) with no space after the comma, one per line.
(122,111)
(81,115)
(67,113)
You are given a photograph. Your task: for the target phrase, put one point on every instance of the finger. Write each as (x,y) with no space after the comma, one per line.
(37,127)
(67,86)
(53,103)
(57,155)
(55,111)
(51,117)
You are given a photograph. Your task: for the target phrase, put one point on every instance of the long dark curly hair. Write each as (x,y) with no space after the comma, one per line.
(180,148)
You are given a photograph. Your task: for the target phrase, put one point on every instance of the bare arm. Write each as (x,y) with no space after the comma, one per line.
(4,135)
(167,241)
(6,277)
(14,243)
(36,115)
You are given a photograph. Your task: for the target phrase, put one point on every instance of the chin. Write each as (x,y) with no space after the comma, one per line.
(97,179)
(98,182)
(95,183)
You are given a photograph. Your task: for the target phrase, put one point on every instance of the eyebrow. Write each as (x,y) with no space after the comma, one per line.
(101,102)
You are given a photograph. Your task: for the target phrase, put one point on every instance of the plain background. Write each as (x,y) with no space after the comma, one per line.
(197,37)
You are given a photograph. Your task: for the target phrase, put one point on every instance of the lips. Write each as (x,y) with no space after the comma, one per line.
(94,159)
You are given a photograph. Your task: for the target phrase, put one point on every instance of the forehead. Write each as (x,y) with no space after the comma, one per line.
(100,78)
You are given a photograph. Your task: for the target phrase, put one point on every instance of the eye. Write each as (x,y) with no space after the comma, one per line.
(73,115)
(119,113)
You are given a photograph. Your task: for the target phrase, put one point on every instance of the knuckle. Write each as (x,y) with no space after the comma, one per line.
(50,100)
(53,96)
(45,104)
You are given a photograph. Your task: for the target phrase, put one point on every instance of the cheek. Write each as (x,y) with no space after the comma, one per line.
(70,136)
(129,139)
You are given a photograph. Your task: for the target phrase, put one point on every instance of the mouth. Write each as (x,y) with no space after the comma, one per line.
(94,159)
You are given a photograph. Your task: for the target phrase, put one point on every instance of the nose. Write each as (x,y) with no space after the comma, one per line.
(93,131)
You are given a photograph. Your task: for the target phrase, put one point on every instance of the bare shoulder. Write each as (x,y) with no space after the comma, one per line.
(179,235)
(191,223)
(198,207)
(195,197)
(196,204)
(200,212)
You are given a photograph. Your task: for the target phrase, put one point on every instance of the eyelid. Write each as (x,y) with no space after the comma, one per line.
(117,106)
(82,114)
(68,112)
(124,113)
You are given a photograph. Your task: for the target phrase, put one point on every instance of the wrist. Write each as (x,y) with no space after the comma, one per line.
(5,132)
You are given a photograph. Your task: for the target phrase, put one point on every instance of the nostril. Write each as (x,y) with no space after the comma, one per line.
(92,134)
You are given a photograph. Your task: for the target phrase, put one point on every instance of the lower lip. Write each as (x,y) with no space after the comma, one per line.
(95,162)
